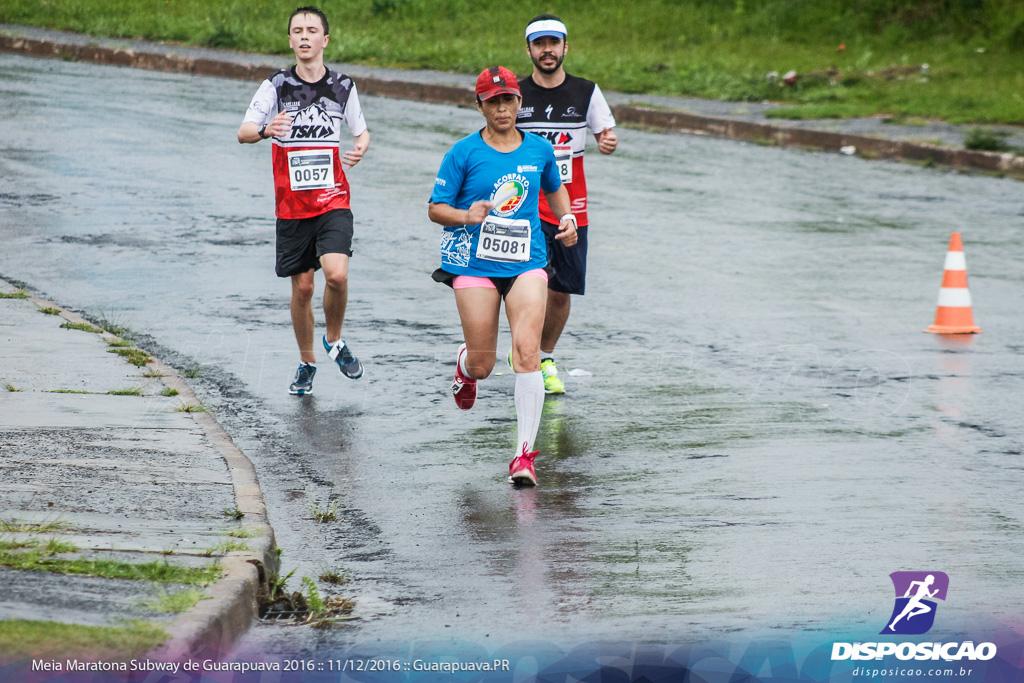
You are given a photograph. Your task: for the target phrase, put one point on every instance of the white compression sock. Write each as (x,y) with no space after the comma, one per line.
(529,406)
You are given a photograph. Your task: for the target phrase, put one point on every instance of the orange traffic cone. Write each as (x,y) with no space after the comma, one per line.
(953,315)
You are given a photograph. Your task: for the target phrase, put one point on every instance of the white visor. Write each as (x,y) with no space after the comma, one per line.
(546,27)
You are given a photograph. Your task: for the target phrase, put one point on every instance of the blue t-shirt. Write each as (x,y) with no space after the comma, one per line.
(473,170)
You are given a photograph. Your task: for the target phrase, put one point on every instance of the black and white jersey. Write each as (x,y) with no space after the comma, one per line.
(308,177)
(563,115)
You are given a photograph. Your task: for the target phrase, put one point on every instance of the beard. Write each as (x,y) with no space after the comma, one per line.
(551,70)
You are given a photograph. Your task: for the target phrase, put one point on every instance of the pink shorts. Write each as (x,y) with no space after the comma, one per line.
(467,281)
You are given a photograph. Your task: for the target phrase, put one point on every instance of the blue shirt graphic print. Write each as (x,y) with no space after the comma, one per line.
(473,170)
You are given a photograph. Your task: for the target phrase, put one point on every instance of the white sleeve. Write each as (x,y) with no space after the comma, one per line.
(599,114)
(263,107)
(354,114)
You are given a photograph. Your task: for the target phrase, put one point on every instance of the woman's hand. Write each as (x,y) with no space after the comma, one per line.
(478,211)
(447,215)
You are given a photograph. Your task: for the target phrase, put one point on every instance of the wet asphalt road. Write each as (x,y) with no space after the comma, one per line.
(765,433)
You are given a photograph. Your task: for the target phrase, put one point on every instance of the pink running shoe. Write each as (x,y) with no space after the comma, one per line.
(463,388)
(520,470)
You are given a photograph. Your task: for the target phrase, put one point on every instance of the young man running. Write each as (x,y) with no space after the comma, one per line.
(302,109)
(561,107)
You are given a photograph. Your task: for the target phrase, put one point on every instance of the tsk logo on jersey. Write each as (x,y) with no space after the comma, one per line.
(914,611)
(509,194)
(313,122)
(554,137)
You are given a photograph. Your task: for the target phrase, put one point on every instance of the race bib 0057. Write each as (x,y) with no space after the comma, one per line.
(311,169)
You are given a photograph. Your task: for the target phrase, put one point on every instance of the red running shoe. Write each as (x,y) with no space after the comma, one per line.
(463,388)
(520,470)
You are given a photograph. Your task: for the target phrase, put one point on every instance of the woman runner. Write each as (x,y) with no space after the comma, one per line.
(486,197)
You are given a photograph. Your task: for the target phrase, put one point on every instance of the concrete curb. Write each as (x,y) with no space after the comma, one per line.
(788,136)
(659,119)
(213,626)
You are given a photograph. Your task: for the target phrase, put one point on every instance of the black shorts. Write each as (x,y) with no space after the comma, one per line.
(567,266)
(502,284)
(302,241)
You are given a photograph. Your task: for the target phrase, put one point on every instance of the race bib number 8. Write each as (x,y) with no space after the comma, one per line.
(311,169)
(563,159)
(504,239)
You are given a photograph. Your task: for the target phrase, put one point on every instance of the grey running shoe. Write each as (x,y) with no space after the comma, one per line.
(303,383)
(347,363)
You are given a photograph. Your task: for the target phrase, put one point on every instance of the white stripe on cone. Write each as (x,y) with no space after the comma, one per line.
(955,260)
(954,298)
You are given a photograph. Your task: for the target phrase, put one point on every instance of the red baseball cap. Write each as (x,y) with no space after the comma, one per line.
(496,80)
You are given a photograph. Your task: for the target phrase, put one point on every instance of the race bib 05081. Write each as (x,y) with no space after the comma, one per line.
(504,239)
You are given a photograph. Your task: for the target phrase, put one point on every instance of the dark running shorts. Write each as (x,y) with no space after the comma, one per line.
(502,284)
(567,266)
(302,241)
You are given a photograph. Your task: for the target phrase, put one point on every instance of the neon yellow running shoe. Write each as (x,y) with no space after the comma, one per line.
(552,385)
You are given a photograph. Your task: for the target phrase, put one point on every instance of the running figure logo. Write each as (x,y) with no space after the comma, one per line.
(914,611)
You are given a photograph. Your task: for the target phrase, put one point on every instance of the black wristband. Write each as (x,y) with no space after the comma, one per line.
(262,129)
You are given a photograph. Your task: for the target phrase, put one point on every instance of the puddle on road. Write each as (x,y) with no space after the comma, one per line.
(763,417)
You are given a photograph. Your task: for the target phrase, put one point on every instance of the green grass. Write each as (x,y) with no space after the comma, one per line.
(119,343)
(854,59)
(169,392)
(277,584)
(13,526)
(176,603)
(21,639)
(313,599)
(332,577)
(243,533)
(191,408)
(130,391)
(226,547)
(84,327)
(986,140)
(10,387)
(109,322)
(42,559)
(233,513)
(54,546)
(134,356)
(70,391)
(49,310)
(330,514)
(20,294)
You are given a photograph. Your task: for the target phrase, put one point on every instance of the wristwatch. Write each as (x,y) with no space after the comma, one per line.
(263,129)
